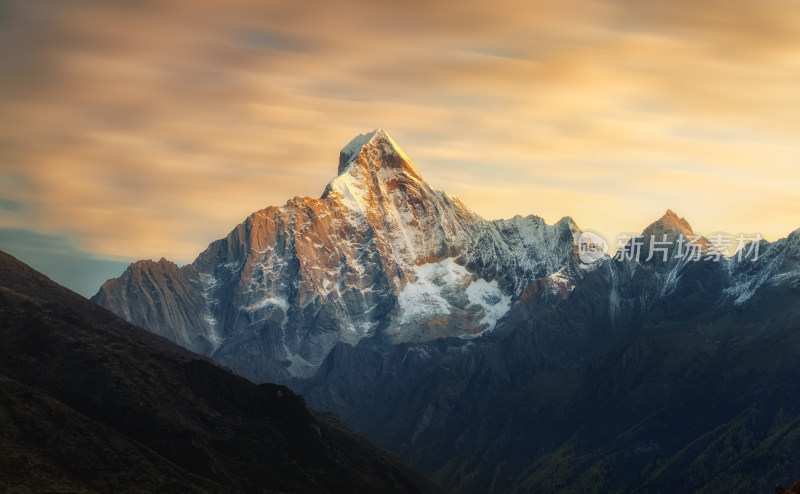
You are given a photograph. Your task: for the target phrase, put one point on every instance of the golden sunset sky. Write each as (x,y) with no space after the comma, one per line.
(145,129)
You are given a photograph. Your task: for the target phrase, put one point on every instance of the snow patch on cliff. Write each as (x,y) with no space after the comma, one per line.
(434,293)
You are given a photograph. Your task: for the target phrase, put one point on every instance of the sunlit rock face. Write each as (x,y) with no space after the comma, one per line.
(382,259)
(379,256)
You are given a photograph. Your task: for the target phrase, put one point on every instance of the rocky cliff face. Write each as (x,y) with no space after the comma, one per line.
(379,256)
(161,295)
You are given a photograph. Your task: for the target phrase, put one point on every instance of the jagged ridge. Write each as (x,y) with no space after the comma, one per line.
(380,255)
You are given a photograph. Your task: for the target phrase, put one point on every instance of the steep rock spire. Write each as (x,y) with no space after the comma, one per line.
(376,150)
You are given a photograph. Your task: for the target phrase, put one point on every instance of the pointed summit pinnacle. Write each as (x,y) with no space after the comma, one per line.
(670,224)
(372,167)
(377,145)
(672,221)
(349,152)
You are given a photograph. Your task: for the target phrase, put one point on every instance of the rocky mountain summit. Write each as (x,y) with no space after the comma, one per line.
(380,255)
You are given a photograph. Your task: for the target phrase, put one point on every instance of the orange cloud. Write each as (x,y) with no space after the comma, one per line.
(151,130)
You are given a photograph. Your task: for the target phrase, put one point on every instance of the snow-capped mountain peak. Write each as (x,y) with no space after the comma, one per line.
(376,147)
(379,255)
(376,176)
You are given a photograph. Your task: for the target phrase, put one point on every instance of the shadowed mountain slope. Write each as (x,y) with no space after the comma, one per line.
(90,403)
